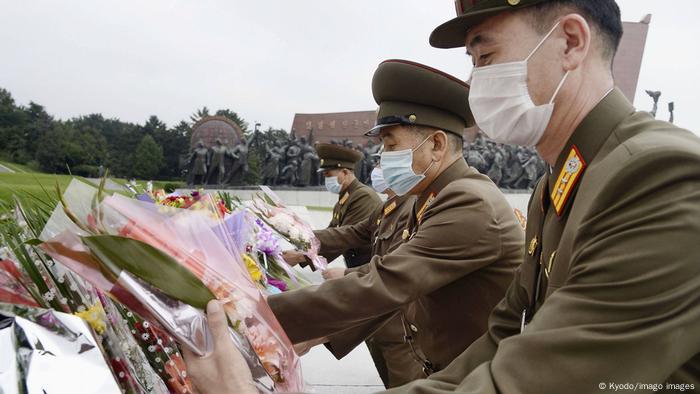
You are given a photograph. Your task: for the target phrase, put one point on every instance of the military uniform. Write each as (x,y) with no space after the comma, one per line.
(457,255)
(392,356)
(609,290)
(355,203)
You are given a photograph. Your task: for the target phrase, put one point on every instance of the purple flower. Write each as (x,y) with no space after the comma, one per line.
(277,283)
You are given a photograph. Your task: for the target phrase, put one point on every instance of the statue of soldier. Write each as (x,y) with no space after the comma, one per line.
(198,162)
(217,162)
(305,169)
(240,163)
(271,169)
(499,163)
(289,173)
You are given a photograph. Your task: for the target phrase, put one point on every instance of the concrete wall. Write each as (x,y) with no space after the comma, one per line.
(324,199)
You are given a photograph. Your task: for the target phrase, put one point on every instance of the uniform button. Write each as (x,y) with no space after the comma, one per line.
(413,328)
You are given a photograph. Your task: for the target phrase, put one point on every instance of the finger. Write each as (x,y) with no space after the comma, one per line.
(217,323)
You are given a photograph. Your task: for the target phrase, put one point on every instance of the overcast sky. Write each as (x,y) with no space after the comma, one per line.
(267,60)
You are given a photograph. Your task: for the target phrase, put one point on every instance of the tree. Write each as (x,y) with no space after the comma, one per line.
(234,117)
(148,158)
(201,113)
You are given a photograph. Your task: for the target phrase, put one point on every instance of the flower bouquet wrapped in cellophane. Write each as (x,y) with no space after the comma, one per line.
(165,264)
(262,253)
(272,211)
(30,280)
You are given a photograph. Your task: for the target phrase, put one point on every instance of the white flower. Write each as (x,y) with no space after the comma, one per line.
(146,324)
(152,348)
(158,359)
(167,350)
(145,336)
(129,314)
(49,296)
(61,279)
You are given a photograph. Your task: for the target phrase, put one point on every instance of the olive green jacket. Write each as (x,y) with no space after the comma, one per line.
(354,205)
(618,268)
(457,258)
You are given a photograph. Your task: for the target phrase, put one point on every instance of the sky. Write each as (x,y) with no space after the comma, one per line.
(268,60)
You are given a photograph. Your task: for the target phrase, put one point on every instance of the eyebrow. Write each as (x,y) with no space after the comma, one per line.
(476,41)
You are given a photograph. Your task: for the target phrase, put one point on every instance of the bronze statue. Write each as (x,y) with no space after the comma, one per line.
(198,162)
(217,162)
(655,95)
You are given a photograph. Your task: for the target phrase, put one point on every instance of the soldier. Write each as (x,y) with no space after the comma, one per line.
(458,252)
(608,292)
(355,201)
(382,229)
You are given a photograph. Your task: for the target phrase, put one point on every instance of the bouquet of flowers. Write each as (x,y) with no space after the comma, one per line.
(262,253)
(269,208)
(33,287)
(165,264)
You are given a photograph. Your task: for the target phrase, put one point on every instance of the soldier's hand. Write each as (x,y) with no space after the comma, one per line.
(333,273)
(304,347)
(224,371)
(293,257)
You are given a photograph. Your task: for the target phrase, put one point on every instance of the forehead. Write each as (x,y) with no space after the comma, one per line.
(502,28)
(396,134)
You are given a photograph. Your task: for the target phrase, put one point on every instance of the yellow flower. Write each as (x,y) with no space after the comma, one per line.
(253,268)
(95,317)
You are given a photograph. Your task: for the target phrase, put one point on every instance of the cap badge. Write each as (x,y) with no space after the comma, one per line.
(412,118)
(513,2)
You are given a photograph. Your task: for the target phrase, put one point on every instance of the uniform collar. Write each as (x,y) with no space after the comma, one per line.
(353,186)
(456,170)
(593,131)
(393,204)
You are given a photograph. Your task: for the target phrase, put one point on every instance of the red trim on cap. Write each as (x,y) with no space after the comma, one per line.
(423,66)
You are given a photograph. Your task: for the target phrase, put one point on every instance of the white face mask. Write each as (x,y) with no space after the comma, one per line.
(378,182)
(501,103)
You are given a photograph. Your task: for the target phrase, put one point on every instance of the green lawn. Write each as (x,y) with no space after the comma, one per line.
(17,167)
(23,184)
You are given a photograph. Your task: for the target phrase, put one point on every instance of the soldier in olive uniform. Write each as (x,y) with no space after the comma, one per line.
(392,356)
(458,253)
(356,201)
(609,291)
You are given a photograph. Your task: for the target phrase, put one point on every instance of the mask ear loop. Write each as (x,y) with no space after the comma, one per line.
(556,92)
(542,42)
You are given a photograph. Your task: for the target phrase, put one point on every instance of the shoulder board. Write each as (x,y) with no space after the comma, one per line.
(425,206)
(568,177)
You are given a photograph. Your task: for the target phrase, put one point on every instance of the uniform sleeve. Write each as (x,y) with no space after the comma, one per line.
(630,309)
(339,239)
(342,343)
(425,263)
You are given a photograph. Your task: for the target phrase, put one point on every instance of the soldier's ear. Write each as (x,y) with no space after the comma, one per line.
(440,145)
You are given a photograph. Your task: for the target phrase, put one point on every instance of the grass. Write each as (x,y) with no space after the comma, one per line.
(17,167)
(25,184)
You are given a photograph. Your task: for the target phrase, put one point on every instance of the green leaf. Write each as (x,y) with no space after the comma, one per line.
(33,242)
(151,265)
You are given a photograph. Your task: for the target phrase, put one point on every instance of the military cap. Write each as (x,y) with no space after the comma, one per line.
(410,93)
(470,13)
(336,156)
